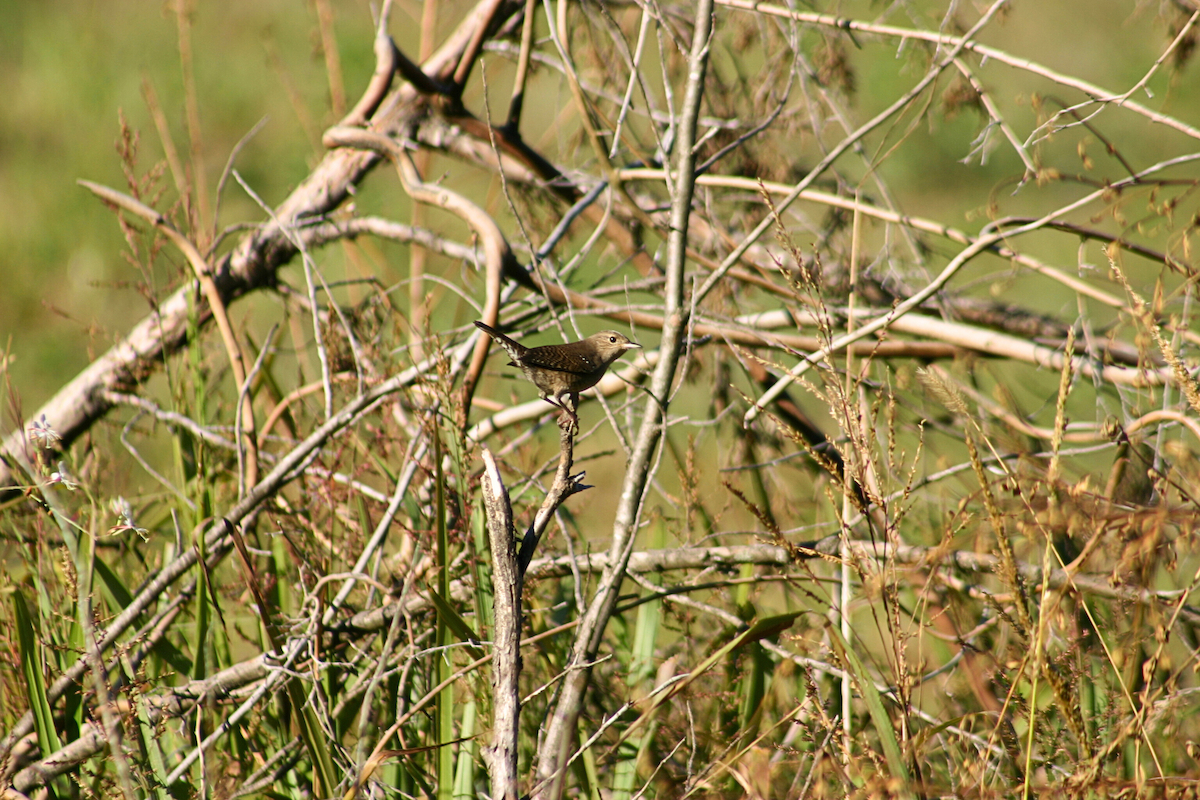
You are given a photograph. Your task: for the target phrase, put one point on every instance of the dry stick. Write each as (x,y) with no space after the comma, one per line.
(418,311)
(508,579)
(835,105)
(807,181)
(565,713)
(333,230)
(381,79)
(517,103)
(547,174)
(531,167)
(311,276)
(171,418)
(635,78)
(1080,432)
(1087,232)
(958,236)
(611,173)
(1051,126)
(216,304)
(150,470)
(523,159)
(577,300)
(216,236)
(564,486)
(985,98)
(497,254)
(1015,348)
(501,755)
(490,10)
(886,215)
(367,721)
(585,206)
(559,35)
(708,558)
(413,456)
(291,397)
(971,337)
(183,22)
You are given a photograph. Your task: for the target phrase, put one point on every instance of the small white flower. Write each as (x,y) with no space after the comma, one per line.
(125,523)
(41,433)
(121,508)
(63,477)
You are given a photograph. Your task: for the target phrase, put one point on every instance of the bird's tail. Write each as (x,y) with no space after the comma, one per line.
(514,348)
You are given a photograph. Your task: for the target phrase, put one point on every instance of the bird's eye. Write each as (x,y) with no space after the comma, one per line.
(612,339)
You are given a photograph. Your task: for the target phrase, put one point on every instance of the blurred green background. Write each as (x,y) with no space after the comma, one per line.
(71,70)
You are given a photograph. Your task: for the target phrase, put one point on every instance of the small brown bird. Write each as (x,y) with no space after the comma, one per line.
(564,370)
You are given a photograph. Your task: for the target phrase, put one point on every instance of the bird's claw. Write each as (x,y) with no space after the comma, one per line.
(569,421)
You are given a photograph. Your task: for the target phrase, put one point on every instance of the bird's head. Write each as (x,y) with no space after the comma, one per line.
(611,345)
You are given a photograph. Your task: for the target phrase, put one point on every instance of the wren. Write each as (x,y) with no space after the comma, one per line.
(562,371)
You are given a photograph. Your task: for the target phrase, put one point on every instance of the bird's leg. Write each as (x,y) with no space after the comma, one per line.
(572,407)
(567,414)
(568,402)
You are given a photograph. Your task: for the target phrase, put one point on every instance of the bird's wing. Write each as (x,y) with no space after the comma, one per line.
(572,363)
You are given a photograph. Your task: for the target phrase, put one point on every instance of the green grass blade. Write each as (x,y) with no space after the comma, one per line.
(879,716)
(457,625)
(464,773)
(753,680)
(150,740)
(114,589)
(641,674)
(35,684)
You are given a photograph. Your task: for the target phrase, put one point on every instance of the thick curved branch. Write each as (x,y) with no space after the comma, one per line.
(498,256)
(249,267)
